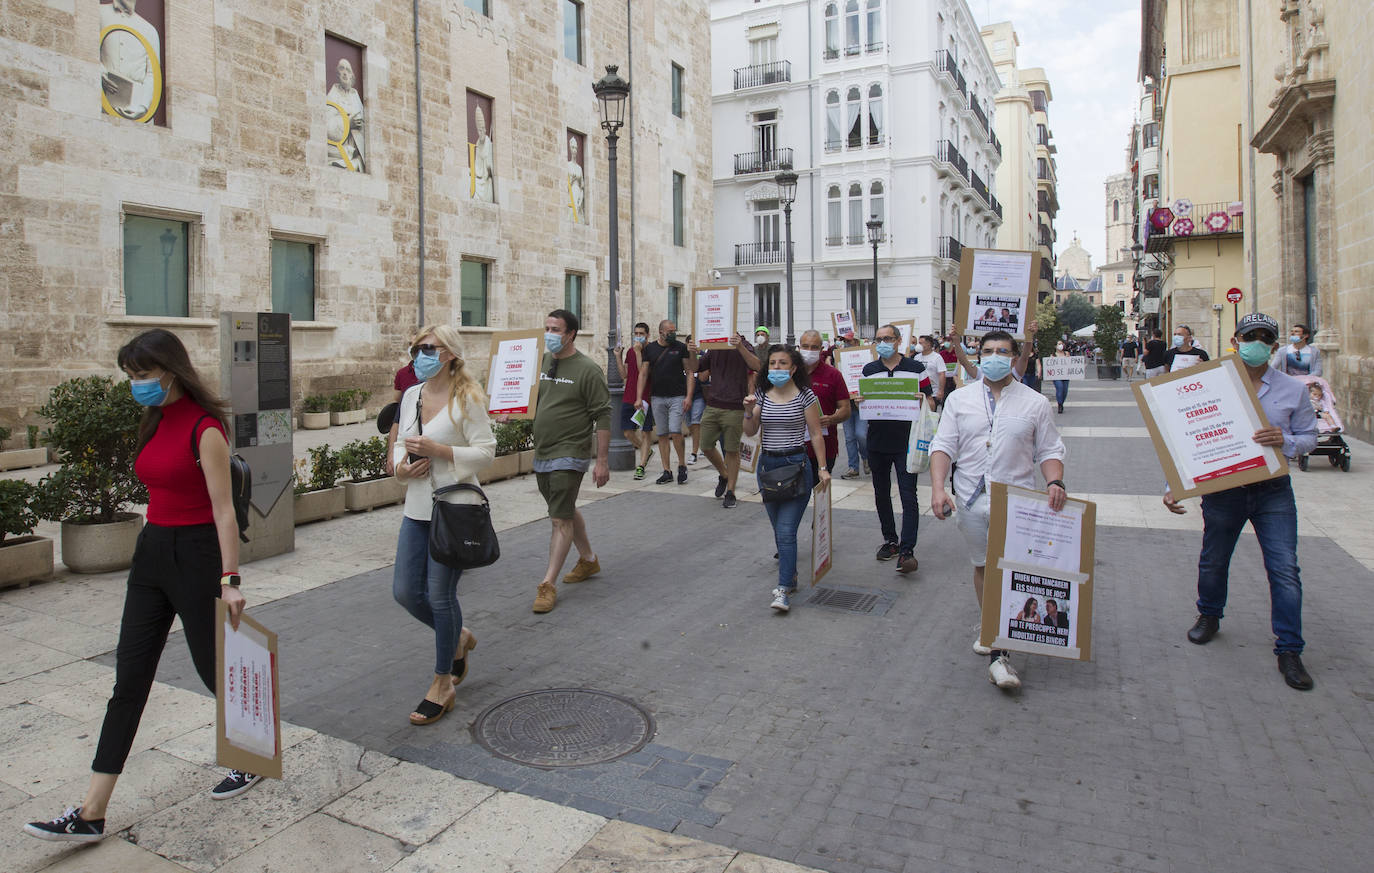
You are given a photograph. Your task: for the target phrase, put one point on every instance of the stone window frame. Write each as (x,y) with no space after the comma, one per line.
(581,309)
(490,264)
(321,245)
(199,312)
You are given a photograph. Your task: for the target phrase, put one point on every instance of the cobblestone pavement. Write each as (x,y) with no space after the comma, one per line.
(845,742)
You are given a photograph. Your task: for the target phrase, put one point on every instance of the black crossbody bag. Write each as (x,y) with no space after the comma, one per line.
(461,535)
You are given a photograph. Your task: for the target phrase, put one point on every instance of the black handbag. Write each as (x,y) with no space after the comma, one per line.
(784,483)
(461,535)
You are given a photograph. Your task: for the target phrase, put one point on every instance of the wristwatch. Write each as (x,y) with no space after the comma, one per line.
(230,579)
(1059,482)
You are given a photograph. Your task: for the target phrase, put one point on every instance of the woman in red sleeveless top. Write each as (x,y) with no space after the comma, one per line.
(187,556)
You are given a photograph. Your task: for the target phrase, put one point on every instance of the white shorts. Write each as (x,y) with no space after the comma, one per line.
(973,524)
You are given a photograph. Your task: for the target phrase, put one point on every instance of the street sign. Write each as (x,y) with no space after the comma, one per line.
(1234,296)
(912,301)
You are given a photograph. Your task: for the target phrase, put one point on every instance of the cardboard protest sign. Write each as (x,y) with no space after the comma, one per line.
(247,696)
(513,379)
(851,362)
(822,534)
(713,316)
(1201,421)
(996,291)
(843,322)
(1037,591)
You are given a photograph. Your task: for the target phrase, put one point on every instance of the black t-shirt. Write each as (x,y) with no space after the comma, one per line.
(1154,353)
(665,368)
(1129,349)
(891,437)
(1173,354)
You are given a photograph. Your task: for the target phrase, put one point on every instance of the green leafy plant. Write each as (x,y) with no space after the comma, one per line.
(16,514)
(513,436)
(95,429)
(4,434)
(348,399)
(33,436)
(1110,332)
(315,403)
(1051,329)
(362,460)
(1076,311)
(321,472)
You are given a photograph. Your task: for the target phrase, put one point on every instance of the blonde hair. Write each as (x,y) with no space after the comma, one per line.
(462,387)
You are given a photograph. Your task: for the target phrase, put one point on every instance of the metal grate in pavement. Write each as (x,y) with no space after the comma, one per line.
(862,601)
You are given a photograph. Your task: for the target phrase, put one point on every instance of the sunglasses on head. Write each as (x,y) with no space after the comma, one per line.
(427,348)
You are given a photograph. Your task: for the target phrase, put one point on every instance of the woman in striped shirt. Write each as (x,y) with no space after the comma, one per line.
(789,414)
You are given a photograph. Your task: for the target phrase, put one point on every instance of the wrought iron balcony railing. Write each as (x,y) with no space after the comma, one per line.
(758,75)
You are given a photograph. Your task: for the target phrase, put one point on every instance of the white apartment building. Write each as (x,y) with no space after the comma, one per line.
(884,109)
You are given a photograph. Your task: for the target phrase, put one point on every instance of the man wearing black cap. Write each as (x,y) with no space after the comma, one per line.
(1267,505)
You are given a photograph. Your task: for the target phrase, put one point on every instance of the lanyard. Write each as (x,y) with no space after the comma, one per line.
(990,406)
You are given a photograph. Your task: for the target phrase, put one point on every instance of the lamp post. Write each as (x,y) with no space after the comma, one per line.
(875,236)
(787,192)
(612,93)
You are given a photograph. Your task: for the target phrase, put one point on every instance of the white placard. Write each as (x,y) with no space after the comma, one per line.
(851,362)
(713,312)
(1072,368)
(249,713)
(514,375)
(1039,536)
(998,295)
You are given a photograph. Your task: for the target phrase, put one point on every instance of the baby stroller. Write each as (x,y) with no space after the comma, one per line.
(1329,427)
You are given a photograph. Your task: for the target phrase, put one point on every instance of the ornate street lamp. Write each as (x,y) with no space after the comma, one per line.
(787,192)
(875,236)
(612,93)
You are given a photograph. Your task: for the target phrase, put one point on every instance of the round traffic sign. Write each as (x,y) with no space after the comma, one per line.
(1234,295)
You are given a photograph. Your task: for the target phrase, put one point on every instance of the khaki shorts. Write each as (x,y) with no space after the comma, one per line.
(973,524)
(559,489)
(727,423)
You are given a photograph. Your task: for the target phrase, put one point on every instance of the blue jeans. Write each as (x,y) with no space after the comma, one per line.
(428,590)
(1270,509)
(882,464)
(1061,391)
(855,439)
(786,517)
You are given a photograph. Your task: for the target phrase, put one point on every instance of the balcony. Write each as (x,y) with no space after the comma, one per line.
(873,47)
(762,162)
(947,153)
(758,253)
(1203,220)
(760,75)
(835,240)
(1046,271)
(1046,236)
(950,249)
(996,207)
(945,63)
(1046,204)
(996,143)
(978,112)
(981,189)
(856,239)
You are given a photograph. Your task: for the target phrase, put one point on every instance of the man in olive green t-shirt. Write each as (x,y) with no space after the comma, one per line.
(573,406)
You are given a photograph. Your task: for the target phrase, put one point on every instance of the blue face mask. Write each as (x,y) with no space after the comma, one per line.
(995,368)
(885,350)
(779,377)
(639,339)
(1178,340)
(426,365)
(148,392)
(1254,353)
(553,342)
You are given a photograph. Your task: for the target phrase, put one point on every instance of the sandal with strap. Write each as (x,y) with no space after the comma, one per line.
(429,712)
(466,643)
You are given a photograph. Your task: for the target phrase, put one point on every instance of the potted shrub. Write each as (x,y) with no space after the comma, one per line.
(511,439)
(315,412)
(346,406)
(1108,335)
(23,557)
(316,495)
(368,486)
(18,459)
(95,430)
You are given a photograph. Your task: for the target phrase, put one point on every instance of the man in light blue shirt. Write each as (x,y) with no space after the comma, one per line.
(1267,505)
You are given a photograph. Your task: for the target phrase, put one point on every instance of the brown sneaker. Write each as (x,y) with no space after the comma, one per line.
(546,597)
(583,570)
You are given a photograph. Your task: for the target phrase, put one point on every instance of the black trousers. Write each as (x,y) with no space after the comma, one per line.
(175,573)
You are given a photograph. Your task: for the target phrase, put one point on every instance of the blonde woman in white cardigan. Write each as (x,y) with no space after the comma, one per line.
(444,437)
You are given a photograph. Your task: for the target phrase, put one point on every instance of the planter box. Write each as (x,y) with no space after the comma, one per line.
(1109,371)
(314,420)
(318,505)
(18,459)
(24,560)
(101,548)
(363,496)
(352,416)
(503,467)
(527,461)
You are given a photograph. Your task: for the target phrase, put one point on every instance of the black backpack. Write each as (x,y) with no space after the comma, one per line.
(240,480)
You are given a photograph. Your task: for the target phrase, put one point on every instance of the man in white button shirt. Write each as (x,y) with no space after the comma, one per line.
(994,429)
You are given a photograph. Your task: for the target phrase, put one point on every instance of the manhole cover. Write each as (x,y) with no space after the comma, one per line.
(563,727)
(864,601)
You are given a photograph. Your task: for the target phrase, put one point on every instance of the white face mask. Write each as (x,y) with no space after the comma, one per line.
(810,356)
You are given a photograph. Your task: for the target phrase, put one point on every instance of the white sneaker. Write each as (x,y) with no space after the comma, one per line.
(1001,674)
(980,649)
(781,602)
(692,459)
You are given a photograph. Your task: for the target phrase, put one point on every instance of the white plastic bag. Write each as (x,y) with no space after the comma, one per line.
(922,432)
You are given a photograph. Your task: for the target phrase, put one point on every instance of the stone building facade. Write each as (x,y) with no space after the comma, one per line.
(241,167)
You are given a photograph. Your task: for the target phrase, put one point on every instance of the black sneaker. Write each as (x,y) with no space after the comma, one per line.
(664,479)
(729,501)
(887,552)
(721,486)
(682,475)
(234,784)
(69,827)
